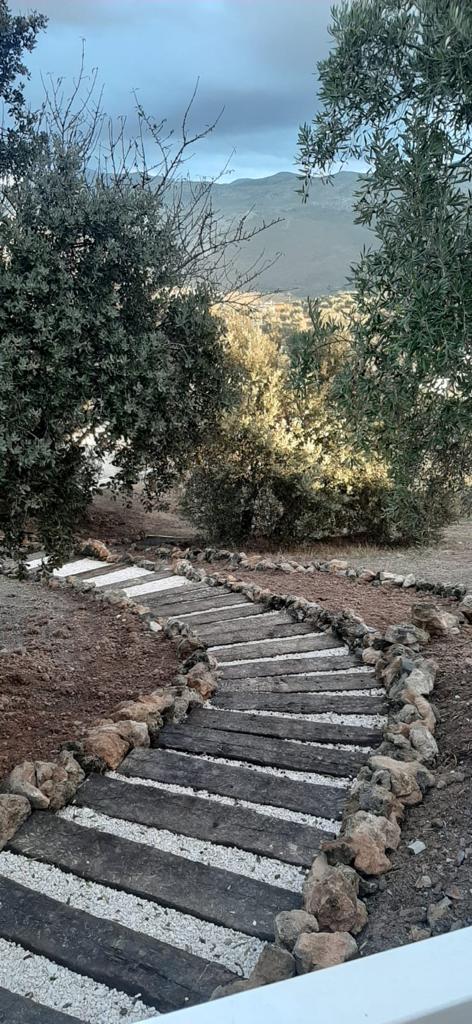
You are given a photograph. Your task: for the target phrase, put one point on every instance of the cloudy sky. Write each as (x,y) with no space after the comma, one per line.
(255,58)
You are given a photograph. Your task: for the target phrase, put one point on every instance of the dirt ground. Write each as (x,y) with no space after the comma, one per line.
(450,561)
(62,665)
(415,886)
(378,606)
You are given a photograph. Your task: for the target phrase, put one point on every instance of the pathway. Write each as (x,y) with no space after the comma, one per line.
(162,881)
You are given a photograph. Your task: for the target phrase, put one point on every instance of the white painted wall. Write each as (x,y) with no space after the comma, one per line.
(428,982)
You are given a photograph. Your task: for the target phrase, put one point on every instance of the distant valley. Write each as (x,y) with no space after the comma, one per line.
(318,239)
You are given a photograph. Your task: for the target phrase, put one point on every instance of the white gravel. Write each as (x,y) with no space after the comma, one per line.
(330,746)
(230,858)
(223,607)
(274,640)
(230,948)
(281,773)
(155,586)
(334,718)
(60,989)
(330,652)
(119,576)
(327,824)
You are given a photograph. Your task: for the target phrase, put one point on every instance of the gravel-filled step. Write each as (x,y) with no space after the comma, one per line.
(204,819)
(285,728)
(213,894)
(233,781)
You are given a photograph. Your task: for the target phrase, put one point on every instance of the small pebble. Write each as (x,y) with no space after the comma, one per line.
(416,847)
(423,882)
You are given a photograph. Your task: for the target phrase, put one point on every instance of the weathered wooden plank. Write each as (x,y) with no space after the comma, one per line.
(284,728)
(300,683)
(262,750)
(164,977)
(270,649)
(177,596)
(298,703)
(231,780)
(210,893)
(15,1009)
(241,611)
(106,567)
(288,666)
(204,819)
(264,627)
(192,604)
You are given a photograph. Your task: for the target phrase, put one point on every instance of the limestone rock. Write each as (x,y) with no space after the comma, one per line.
(274,964)
(95,549)
(466,607)
(289,924)
(370,656)
(418,705)
(22,781)
(421,680)
(337,564)
(424,743)
(14,810)
(409,581)
(136,733)
(410,779)
(106,743)
(312,952)
(433,619)
(331,894)
(370,835)
(408,634)
(201,680)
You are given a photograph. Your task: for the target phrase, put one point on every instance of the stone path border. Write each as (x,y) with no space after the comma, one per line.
(337,566)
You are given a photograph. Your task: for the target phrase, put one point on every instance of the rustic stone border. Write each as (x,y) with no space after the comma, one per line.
(398,774)
(338,566)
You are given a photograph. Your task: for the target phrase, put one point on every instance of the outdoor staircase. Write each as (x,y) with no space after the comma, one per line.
(162,881)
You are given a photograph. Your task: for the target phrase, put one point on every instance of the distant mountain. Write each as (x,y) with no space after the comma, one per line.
(318,239)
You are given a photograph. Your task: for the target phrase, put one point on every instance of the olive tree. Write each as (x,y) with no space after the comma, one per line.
(109,346)
(396,92)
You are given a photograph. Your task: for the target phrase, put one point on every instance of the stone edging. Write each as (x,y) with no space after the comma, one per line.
(398,774)
(348,869)
(338,566)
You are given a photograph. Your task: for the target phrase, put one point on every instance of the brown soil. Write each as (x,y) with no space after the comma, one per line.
(443,821)
(64,662)
(379,606)
(117,521)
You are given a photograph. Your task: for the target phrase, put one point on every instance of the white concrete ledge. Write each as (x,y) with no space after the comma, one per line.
(427,982)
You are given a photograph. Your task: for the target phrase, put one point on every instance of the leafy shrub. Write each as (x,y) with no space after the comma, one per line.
(281,465)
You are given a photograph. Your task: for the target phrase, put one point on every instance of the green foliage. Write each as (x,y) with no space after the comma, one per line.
(105,348)
(282,466)
(17,34)
(396,91)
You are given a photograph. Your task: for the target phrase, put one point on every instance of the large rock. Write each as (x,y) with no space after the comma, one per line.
(420,681)
(423,742)
(434,620)
(14,810)
(106,743)
(408,634)
(136,733)
(466,607)
(410,779)
(95,549)
(331,895)
(59,781)
(326,949)
(370,835)
(201,680)
(289,924)
(274,964)
(22,781)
